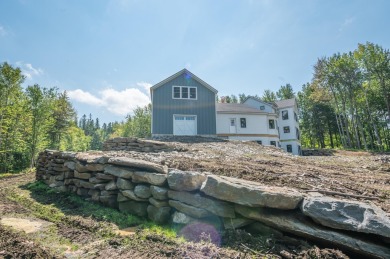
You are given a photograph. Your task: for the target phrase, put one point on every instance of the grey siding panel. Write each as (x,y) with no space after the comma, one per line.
(164,107)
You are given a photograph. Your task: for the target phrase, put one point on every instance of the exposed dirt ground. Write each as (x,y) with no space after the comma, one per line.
(348,172)
(80,236)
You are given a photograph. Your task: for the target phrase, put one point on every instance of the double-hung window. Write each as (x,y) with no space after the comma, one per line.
(184,92)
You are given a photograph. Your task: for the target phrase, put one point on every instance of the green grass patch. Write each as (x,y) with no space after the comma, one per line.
(26,171)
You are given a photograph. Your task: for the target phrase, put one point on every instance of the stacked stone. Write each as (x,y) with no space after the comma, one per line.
(148,190)
(136,144)
(317,152)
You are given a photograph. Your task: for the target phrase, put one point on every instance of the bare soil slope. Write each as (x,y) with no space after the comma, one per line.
(347,172)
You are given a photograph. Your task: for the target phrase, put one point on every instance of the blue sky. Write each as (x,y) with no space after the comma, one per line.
(107,53)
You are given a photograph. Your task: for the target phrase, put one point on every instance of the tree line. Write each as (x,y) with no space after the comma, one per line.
(36,118)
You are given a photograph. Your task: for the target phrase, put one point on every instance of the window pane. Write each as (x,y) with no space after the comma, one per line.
(286,129)
(262,107)
(190,118)
(271,124)
(289,148)
(184,92)
(273,143)
(192,93)
(285,115)
(176,92)
(179,118)
(243,122)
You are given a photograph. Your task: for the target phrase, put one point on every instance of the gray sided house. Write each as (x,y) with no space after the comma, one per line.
(183,104)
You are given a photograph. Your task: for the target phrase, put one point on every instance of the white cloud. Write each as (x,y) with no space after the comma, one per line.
(146,86)
(28,70)
(3,32)
(117,102)
(347,22)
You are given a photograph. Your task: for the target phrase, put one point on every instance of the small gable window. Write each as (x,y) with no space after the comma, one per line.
(286,129)
(262,107)
(184,92)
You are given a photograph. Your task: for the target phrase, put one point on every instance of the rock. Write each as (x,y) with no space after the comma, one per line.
(185,181)
(189,210)
(159,193)
(159,215)
(250,193)
(348,215)
(124,184)
(298,224)
(131,195)
(135,163)
(95,167)
(121,198)
(263,230)
(103,176)
(109,200)
(111,186)
(95,195)
(84,176)
(61,188)
(142,191)
(158,203)
(69,174)
(95,180)
(70,164)
(60,177)
(234,223)
(118,172)
(108,193)
(92,158)
(86,184)
(81,168)
(181,218)
(147,177)
(135,208)
(219,208)
(100,186)
(82,191)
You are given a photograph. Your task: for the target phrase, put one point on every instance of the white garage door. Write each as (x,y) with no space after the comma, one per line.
(184,125)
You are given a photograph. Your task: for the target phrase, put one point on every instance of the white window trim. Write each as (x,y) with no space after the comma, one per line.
(189,91)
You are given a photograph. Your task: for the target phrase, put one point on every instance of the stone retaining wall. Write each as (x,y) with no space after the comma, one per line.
(317,152)
(172,196)
(136,144)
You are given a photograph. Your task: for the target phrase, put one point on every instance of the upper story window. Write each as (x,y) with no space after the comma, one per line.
(184,92)
(243,122)
(297,133)
(271,124)
(262,107)
(286,129)
(285,115)
(295,116)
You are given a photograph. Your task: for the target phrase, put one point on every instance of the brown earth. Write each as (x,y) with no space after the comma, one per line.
(357,173)
(348,172)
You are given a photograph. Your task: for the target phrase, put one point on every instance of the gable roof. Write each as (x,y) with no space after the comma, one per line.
(184,71)
(259,100)
(236,108)
(286,103)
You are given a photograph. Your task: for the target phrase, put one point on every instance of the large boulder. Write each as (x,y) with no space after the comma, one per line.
(136,163)
(135,208)
(159,193)
(348,215)
(142,191)
(298,224)
(219,208)
(131,195)
(84,176)
(158,203)
(124,184)
(250,193)
(118,172)
(159,215)
(190,210)
(111,186)
(185,181)
(148,177)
